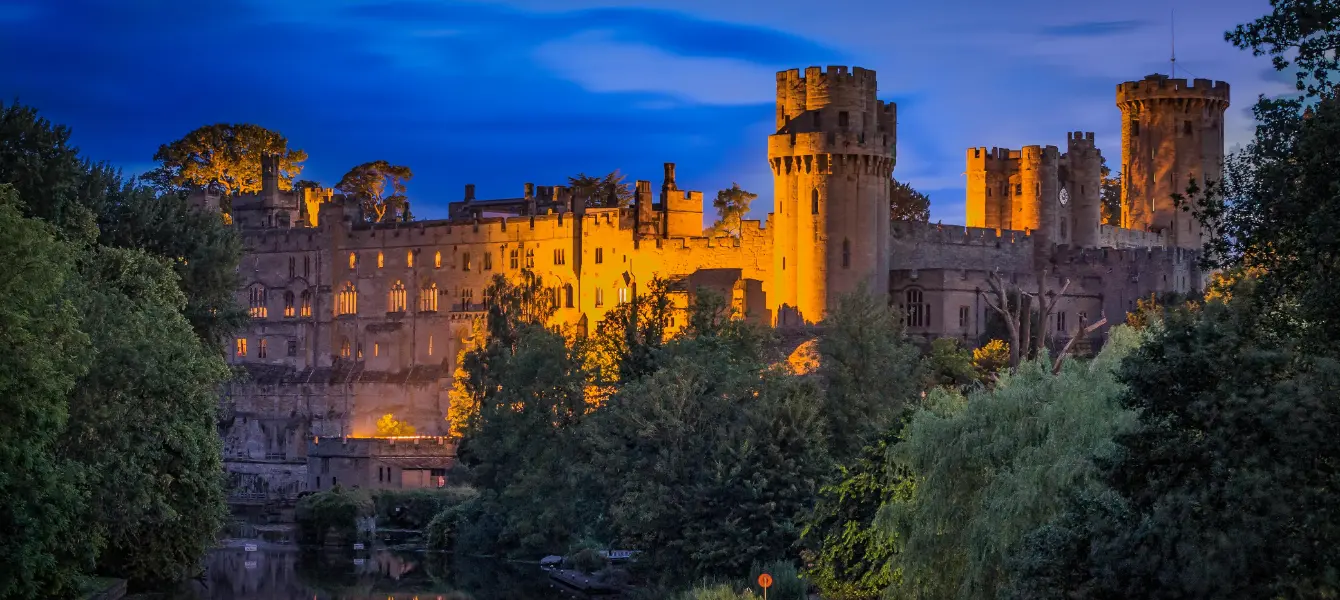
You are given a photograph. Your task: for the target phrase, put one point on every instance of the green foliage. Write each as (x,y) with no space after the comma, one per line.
(709,466)
(142,420)
(224,158)
(1306,30)
(869,369)
(950,364)
(610,191)
(1226,491)
(415,508)
(786,581)
(46,545)
(53,183)
(718,591)
(907,204)
(626,345)
(1109,195)
(332,515)
(989,468)
(379,187)
(732,205)
(849,558)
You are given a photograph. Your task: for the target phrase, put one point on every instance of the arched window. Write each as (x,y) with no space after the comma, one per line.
(467,298)
(409,259)
(814,201)
(428,298)
(846,254)
(353,260)
(395,299)
(437,260)
(381,260)
(288,304)
(344,348)
(347,303)
(918,311)
(305,309)
(567,295)
(258,310)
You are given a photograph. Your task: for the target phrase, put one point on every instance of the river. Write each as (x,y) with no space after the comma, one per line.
(280,572)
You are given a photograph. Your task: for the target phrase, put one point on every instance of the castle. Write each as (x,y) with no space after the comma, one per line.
(353,320)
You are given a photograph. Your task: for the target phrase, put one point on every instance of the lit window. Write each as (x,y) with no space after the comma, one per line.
(353,260)
(623,295)
(600,255)
(376,349)
(344,348)
(465,261)
(241,348)
(437,260)
(258,309)
(530,259)
(381,260)
(261,348)
(409,259)
(347,304)
(395,300)
(428,298)
(358,351)
(488,261)
(288,304)
(600,297)
(305,309)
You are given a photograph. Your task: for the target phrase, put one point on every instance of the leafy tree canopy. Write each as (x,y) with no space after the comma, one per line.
(388,426)
(225,158)
(610,191)
(379,187)
(907,204)
(732,205)
(1109,195)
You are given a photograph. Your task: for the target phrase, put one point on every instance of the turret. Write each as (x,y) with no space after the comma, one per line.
(1172,132)
(1083,185)
(832,159)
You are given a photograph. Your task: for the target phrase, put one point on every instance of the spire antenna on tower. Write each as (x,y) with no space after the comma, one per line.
(1172,37)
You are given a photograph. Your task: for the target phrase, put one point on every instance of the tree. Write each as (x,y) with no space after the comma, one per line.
(1109,195)
(626,345)
(1309,30)
(1226,489)
(848,557)
(950,364)
(907,204)
(991,357)
(869,369)
(225,158)
(143,421)
(47,547)
(732,205)
(379,187)
(610,191)
(989,468)
(388,426)
(51,181)
(1011,304)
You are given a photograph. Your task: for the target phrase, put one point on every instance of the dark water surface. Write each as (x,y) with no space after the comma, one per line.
(277,572)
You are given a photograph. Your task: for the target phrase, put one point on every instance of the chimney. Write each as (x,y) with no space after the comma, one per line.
(469,192)
(669,183)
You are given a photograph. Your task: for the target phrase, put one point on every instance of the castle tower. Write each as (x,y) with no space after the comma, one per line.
(1016,190)
(1171,132)
(1083,182)
(832,161)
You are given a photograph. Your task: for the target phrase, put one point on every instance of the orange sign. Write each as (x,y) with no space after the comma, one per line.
(765,581)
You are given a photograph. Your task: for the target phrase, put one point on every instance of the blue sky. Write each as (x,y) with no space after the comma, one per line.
(499,93)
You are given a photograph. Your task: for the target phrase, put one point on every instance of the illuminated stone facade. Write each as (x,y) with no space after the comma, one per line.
(352,321)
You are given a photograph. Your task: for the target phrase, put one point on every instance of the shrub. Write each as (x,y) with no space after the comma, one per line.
(786,581)
(331,512)
(414,509)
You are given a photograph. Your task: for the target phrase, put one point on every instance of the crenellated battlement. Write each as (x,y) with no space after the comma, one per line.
(1133,257)
(935,233)
(1162,87)
(1080,142)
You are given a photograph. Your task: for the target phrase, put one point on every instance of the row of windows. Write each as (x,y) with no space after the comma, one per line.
(467,264)
(259,304)
(241,347)
(397,298)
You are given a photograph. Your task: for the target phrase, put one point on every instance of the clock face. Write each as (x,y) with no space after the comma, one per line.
(1065,197)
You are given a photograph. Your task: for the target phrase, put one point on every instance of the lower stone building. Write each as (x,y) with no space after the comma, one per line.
(397,463)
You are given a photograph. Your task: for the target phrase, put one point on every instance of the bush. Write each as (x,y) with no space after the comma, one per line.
(718,591)
(415,509)
(331,512)
(786,581)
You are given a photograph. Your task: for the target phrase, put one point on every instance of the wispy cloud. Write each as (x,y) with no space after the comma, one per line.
(1094,28)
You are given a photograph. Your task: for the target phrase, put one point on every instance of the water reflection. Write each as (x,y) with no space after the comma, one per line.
(285,573)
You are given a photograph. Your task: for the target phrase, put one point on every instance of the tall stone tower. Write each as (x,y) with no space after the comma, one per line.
(1171,132)
(832,161)
(1082,180)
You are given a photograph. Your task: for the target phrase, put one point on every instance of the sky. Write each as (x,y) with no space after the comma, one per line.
(500,93)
